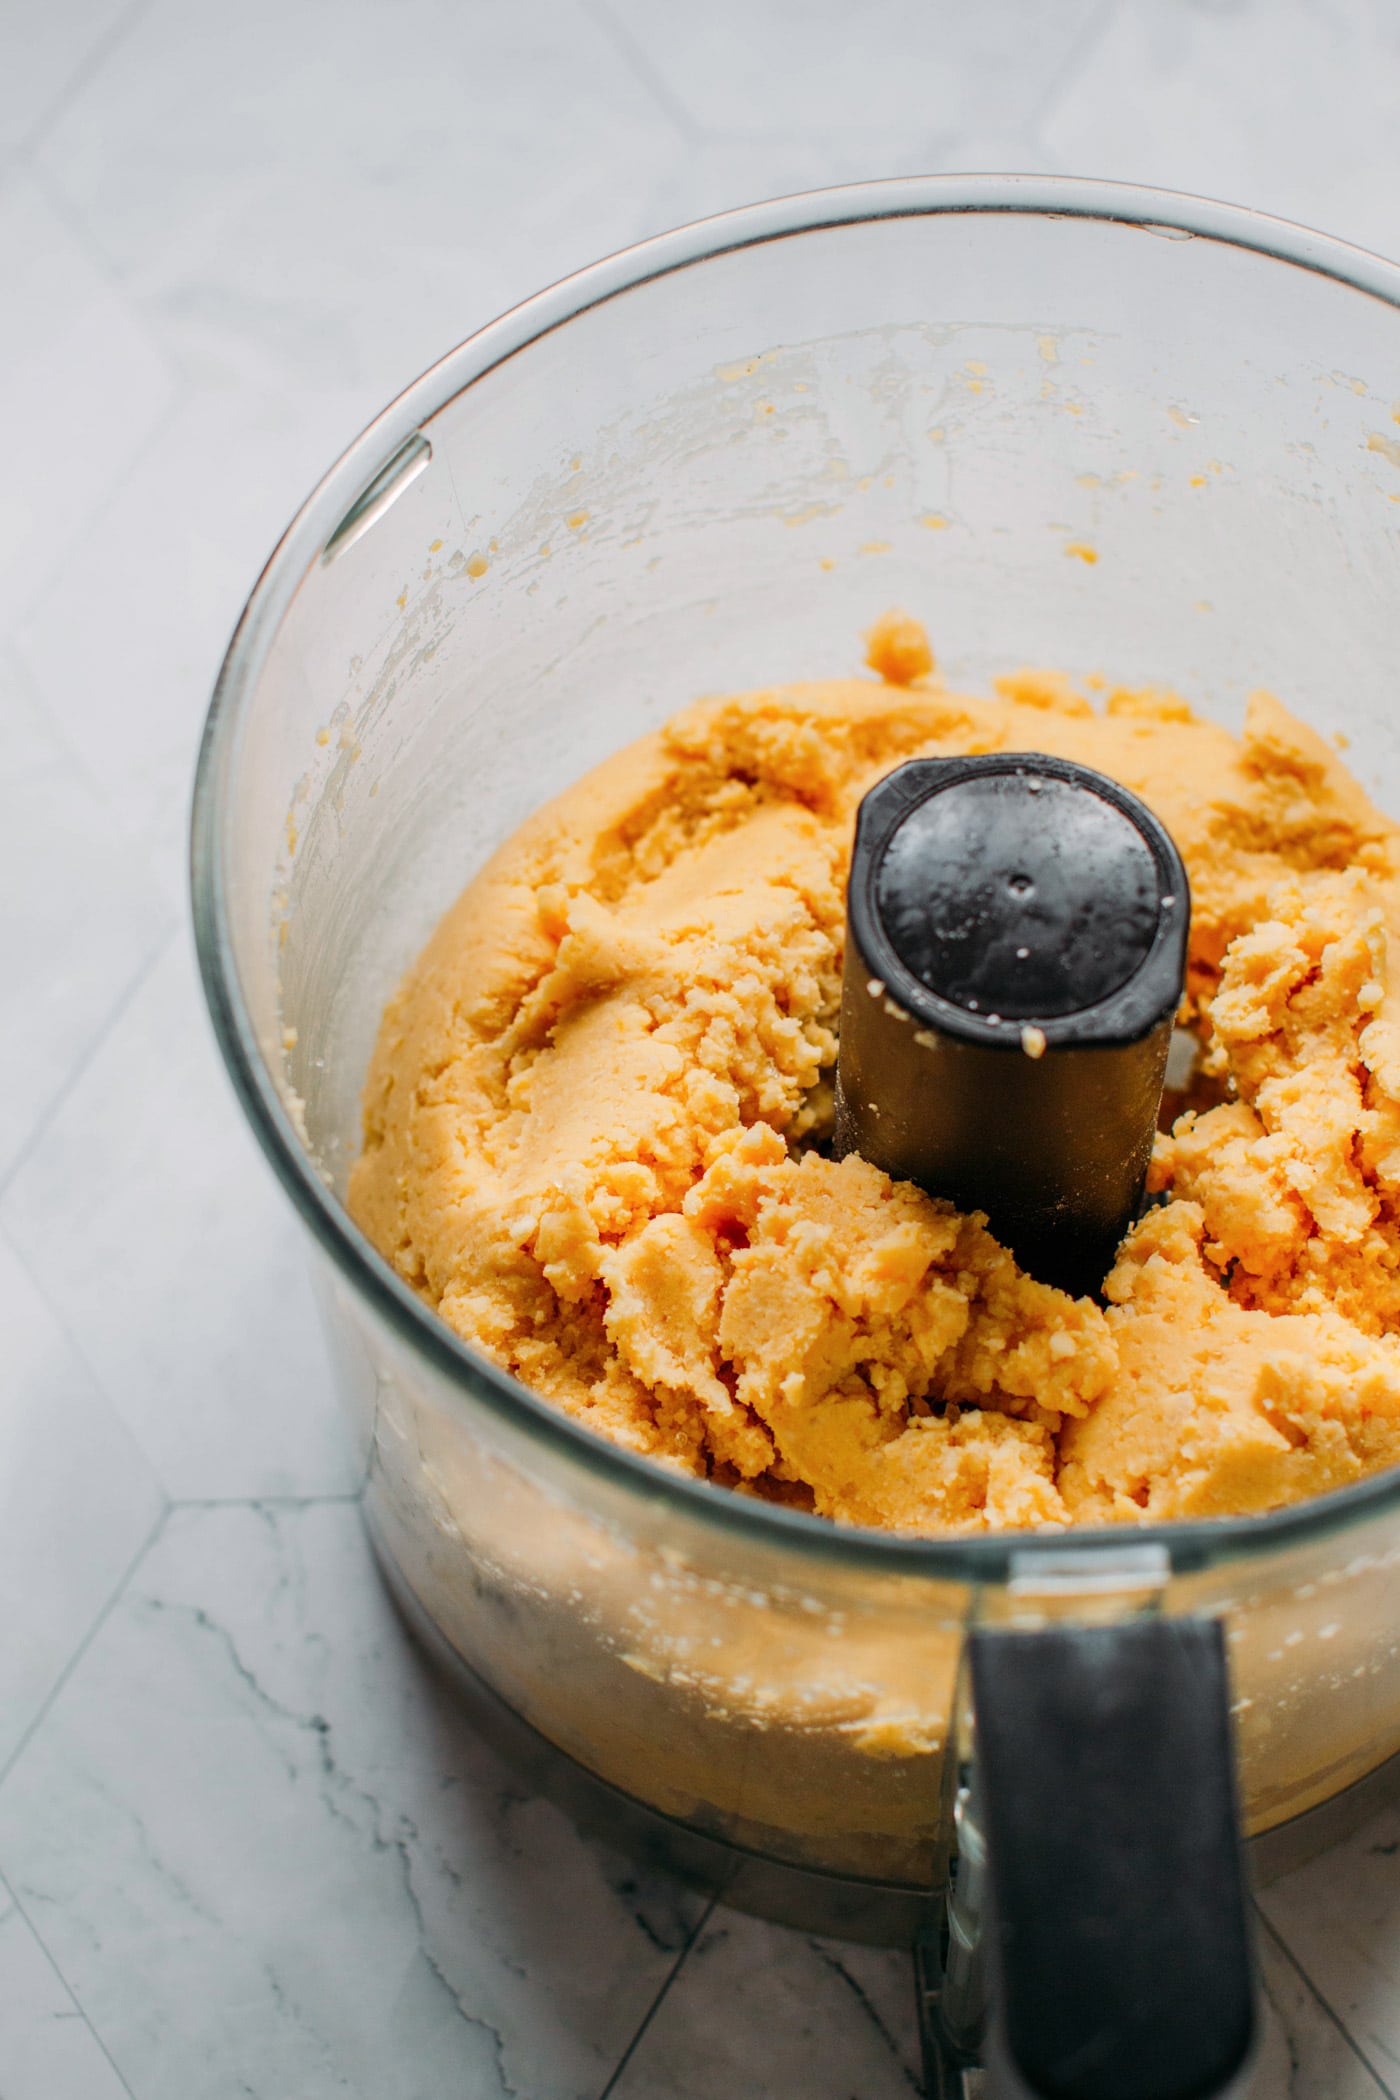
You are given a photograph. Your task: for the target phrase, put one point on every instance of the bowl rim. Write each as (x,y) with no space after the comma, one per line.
(1188,1546)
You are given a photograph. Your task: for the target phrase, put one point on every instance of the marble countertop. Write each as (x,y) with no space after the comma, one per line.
(246,1846)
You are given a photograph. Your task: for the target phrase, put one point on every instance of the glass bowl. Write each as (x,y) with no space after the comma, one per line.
(1064,423)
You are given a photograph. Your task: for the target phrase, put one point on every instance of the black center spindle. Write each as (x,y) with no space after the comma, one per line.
(1016,948)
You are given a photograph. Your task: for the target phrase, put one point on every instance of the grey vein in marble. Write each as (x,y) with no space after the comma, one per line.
(268,1858)
(800,2016)
(1340,1917)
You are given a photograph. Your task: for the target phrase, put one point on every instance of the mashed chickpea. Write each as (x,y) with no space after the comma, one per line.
(594,1118)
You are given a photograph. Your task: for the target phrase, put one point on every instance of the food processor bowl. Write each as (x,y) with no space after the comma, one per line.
(1109,430)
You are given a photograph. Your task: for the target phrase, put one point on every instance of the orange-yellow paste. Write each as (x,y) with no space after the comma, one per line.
(593,1125)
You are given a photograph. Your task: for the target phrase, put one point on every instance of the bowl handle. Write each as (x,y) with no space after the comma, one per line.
(1103,1834)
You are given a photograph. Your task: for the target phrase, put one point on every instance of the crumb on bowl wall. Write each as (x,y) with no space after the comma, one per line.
(897,648)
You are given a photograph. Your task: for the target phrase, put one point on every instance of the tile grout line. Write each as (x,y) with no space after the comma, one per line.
(144,970)
(45,1296)
(89,1371)
(85,70)
(1068,67)
(650,2014)
(106,266)
(65,752)
(869,2009)
(180,396)
(65,1674)
(643,71)
(1343,2030)
(72,1995)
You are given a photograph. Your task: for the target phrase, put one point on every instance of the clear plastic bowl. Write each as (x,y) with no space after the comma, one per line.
(703,465)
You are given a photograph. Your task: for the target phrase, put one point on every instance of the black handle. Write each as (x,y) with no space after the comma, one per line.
(1118,1932)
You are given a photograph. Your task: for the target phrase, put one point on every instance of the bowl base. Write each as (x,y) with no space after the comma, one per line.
(880,1914)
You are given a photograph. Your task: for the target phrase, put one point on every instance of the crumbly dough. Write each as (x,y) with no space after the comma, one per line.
(593,1123)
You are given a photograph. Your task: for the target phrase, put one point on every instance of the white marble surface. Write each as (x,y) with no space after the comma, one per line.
(245,1846)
